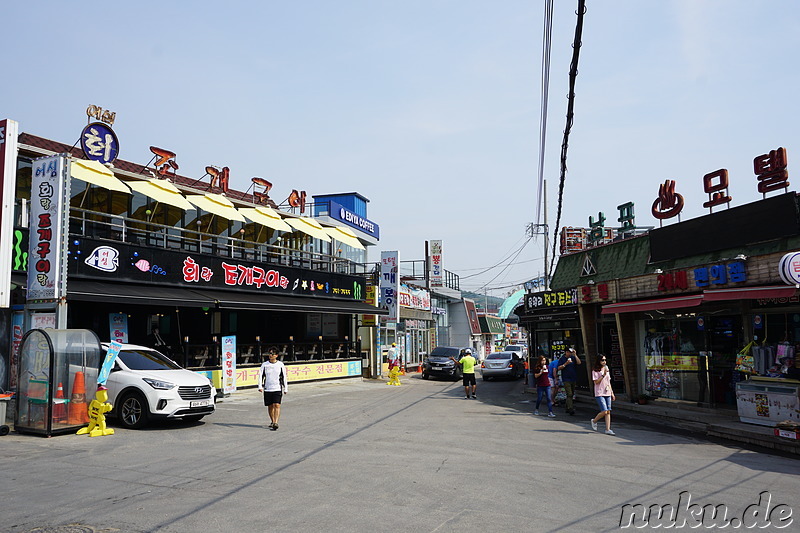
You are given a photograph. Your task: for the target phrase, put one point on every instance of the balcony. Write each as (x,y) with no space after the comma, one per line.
(415,271)
(115,228)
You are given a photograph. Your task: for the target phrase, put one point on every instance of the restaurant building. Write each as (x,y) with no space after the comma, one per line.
(141,254)
(675,307)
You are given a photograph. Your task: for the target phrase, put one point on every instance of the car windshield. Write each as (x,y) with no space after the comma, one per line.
(441,351)
(513,348)
(499,355)
(147,360)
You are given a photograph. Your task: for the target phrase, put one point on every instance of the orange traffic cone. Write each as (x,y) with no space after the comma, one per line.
(78,410)
(60,406)
(419,368)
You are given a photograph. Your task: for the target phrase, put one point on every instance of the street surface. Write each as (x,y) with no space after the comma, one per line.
(361,456)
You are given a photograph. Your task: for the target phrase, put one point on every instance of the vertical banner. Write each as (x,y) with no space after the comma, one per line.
(108,362)
(229,364)
(437,270)
(17,325)
(390,288)
(118,326)
(48,181)
(9,131)
(372,299)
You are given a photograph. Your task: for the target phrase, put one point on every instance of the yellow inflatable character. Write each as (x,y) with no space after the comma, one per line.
(394,376)
(97,418)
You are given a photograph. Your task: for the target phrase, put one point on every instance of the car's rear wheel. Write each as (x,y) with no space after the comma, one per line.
(485,378)
(132,410)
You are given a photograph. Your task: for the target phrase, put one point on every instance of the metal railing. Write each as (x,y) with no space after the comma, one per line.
(95,224)
(416,270)
(208,355)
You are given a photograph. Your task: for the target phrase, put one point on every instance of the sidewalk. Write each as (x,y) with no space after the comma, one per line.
(718,423)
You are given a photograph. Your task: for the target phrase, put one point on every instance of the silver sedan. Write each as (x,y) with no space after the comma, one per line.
(503,365)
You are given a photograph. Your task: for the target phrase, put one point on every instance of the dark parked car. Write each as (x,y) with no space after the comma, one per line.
(503,365)
(439,364)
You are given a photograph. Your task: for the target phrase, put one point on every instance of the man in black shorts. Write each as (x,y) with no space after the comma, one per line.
(272,380)
(467,363)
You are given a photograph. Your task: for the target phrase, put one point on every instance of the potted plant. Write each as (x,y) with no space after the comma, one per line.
(643,398)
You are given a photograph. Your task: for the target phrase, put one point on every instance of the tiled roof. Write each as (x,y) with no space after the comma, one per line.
(183,182)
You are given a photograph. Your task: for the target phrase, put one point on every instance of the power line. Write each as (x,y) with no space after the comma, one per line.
(546,48)
(573,73)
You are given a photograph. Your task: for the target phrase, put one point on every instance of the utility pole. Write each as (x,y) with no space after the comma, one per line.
(541,229)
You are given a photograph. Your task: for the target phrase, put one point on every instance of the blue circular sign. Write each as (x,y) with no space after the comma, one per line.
(99,143)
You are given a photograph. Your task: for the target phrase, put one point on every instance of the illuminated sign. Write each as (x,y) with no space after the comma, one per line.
(720,274)
(717,192)
(219,175)
(390,285)
(103,115)
(551,299)
(789,268)
(342,214)
(602,292)
(164,161)
(669,203)
(673,280)
(99,143)
(261,196)
(771,172)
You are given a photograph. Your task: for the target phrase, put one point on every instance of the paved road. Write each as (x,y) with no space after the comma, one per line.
(363,456)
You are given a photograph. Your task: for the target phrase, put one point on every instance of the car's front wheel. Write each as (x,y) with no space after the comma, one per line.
(132,410)
(425,374)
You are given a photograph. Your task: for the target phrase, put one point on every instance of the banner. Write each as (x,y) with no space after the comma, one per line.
(390,285)
(229,364)
(437,270)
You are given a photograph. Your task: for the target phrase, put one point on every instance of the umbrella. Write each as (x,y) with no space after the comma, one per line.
(266,217)
(94,173)
(309,227)
(345,236)
(162,191)
(216,204)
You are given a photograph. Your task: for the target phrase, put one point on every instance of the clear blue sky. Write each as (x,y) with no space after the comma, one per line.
(428,108)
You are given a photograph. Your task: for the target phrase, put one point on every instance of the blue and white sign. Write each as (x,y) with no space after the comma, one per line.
(105,369)
(342,214)
(99,142)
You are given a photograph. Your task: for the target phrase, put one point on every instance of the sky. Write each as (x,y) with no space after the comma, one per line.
(428,108)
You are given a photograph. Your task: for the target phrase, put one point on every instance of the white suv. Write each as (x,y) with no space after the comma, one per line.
(145,384)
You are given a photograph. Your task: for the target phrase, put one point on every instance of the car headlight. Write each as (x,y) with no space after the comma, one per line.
(158,384)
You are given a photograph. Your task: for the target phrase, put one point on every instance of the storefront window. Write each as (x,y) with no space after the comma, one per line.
(691,358)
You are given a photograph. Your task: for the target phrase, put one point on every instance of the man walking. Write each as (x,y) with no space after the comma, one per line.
(569,375)
(272,381)
(467,363)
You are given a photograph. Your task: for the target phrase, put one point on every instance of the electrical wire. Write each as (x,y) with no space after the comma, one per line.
(573,73)
(546,49)
(502,261)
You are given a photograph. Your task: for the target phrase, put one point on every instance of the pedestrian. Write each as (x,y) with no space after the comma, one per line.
(540,374)
(569,375)
(467,363)
(602,392)
(391,355)
(552,370)
(272,381)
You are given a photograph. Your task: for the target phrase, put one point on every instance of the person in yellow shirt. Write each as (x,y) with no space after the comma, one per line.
(467,363)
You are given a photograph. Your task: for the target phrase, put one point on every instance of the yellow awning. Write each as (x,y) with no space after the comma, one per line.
(96,174)
(345,236)
(216,204)
(309,226)
(162,191)
(265,216)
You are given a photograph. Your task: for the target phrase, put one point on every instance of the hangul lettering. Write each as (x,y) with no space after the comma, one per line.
(602,291)
(701,277)
(206,273)
(191,270)
(681,281)
(586,292)
(259,276)
(245,275)
(719,274)
(231,273)
(736,272)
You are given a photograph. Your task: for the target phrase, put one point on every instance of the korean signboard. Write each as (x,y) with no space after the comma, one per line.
(437,271)
(390,285)
(47,227)
(229,364)
(551,299)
